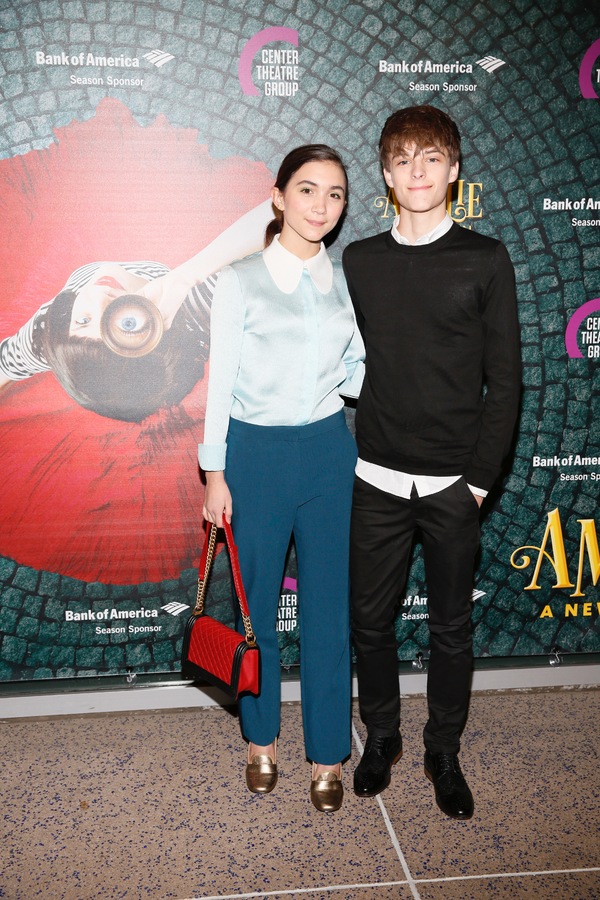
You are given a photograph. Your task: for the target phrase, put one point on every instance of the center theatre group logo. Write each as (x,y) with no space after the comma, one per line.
(589,73)
(277,69)
(589,336)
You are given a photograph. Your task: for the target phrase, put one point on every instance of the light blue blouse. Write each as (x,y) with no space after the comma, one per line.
(278,356)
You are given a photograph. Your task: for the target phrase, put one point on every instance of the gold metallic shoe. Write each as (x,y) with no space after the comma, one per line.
(326,790)
(261,771)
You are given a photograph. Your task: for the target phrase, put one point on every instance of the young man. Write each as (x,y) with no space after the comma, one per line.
(436,306)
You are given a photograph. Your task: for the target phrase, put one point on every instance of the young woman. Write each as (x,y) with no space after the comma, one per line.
(279,459)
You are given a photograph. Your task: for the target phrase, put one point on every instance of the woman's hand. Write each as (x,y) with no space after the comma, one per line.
(217,499)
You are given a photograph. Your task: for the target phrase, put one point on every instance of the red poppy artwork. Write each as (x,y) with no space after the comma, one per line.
(85,495)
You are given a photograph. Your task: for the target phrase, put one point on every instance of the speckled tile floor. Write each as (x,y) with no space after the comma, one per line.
(153,805)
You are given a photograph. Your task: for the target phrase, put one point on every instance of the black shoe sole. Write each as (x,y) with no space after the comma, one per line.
(383,786)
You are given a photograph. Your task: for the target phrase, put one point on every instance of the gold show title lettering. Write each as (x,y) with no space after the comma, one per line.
(558,558)
(466,206)
(464,209)
(384,203)
(571,609)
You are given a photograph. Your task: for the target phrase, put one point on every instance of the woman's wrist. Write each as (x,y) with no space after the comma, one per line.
(215,476)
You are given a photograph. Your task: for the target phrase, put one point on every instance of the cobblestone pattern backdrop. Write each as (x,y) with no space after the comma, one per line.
(529,135)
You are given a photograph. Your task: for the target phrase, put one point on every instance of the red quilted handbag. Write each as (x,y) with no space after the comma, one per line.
(212,651)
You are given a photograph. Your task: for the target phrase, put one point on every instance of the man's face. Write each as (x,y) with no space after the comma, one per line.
(420,178)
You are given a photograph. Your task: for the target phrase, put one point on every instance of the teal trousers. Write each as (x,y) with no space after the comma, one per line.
(286,481)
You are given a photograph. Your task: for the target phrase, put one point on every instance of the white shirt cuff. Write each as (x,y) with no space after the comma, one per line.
(479,492)
(212,457)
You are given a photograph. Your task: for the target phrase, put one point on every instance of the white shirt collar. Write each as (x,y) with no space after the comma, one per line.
(286,268)
(433,235)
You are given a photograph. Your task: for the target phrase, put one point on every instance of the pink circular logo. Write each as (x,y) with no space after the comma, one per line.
(589,88)
(251,48)
(575,321)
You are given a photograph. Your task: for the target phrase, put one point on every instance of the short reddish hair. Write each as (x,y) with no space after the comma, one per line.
(424,126)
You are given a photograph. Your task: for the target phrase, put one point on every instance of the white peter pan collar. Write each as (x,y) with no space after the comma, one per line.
(286,268)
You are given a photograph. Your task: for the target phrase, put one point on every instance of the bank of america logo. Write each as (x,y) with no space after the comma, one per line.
(158,57)
(174,608)
(490,63)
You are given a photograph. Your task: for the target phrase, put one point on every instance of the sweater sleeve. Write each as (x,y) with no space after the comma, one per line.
(226,336)
(346,263)
(502,373)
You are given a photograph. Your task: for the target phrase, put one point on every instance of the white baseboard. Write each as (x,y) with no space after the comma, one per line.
(181,695)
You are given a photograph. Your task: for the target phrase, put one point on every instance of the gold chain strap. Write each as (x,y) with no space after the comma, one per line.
(250,636)
(202,582)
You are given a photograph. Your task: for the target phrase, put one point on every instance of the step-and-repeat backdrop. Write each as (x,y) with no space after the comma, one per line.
(144,137)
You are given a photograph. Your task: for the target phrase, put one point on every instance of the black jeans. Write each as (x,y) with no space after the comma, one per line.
(382,532)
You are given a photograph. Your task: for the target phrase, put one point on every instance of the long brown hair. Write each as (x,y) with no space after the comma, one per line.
(294,160)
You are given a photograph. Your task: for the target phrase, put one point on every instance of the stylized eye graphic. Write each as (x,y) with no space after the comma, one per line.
(131,326)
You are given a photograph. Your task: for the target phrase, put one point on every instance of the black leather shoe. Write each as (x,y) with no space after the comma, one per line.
(373,773)
(452,792)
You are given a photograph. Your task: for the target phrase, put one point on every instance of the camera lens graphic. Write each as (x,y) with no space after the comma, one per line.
(131,326)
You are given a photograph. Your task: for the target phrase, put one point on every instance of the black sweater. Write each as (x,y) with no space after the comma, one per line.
(439,322)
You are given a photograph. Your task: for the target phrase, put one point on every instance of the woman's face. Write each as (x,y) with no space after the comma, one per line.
(312,203)
(110,281)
